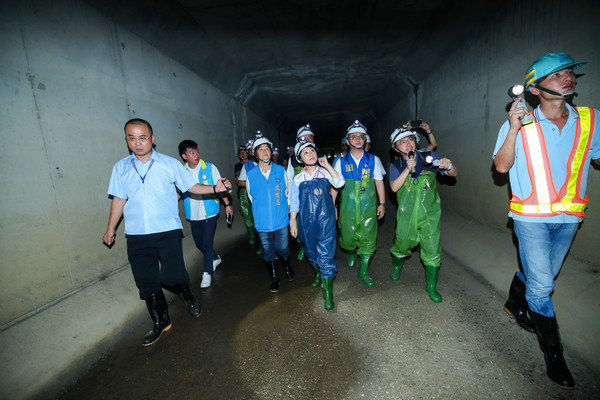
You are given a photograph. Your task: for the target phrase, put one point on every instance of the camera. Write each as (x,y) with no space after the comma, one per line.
(416,123)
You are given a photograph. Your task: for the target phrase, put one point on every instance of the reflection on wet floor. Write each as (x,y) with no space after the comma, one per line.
(248,343)
(385,342)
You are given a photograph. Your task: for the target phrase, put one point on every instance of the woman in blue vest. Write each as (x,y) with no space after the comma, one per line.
(267,192)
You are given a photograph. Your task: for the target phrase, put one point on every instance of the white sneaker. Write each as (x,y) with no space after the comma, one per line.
(216,262)
(206,279)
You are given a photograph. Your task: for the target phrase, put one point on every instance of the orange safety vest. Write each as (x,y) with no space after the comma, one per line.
(544,201)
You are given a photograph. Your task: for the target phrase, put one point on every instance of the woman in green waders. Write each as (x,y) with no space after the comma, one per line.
(413,178)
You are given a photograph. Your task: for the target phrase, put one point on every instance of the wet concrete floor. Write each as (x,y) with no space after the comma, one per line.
(385,342)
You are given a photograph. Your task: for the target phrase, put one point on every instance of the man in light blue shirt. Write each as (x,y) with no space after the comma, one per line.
(547,154)
(143,190)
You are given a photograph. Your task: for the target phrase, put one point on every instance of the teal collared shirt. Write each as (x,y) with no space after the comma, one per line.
(559,145)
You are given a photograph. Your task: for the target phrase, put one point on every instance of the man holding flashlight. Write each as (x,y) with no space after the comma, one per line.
(548,162)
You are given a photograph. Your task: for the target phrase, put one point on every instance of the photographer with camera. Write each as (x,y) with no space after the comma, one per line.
(420,125)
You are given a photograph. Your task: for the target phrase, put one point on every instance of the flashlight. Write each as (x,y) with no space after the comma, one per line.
(515,92)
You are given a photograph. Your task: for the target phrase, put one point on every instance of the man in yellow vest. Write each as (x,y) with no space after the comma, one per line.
(548,160)
(203,210)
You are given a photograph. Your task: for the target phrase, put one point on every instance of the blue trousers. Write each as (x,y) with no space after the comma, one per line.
(276,241)
(203,232)
(542,249)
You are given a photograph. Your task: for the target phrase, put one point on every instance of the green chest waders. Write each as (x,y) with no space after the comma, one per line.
(357,217)
(418,219)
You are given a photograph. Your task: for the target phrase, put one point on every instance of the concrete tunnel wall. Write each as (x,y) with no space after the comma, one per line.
(465,101)
(71,78)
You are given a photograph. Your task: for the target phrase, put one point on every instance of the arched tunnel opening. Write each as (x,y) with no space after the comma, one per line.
(217,71)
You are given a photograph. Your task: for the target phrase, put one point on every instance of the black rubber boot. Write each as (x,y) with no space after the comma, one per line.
(190,301)
(159,312)
(516,305)
(549,340)
(289,272)
(273,268)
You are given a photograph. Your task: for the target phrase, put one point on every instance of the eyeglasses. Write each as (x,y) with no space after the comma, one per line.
(357,137)
(404,141)
(142,139)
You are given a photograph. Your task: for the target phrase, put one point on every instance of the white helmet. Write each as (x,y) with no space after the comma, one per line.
(260,139)
(301,146)
(401,133)
(368,138)
(356,127)
(304,130)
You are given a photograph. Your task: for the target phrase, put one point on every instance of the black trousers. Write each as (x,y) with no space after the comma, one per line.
(157,261)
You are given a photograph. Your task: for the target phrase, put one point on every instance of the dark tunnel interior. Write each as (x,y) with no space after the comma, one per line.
(322,62)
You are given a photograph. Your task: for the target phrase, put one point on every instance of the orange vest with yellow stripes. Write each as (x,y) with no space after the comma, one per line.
(544,200)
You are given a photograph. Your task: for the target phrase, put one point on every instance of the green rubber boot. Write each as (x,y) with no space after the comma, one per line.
(363,270)
(260,250)
(328,293)
(251,235)
(351,258)
(317,281)
(300,255)
(397,263)
(431,277)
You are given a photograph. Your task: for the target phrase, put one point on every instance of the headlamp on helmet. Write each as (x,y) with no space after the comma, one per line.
(356,127)
(401,133)
(301,145)
(303,131)
(260,139)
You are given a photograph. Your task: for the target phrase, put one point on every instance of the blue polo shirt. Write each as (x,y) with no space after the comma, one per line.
(149,189)
(559,145)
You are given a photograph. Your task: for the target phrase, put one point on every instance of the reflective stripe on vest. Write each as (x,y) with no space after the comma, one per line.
(544,200)
(211,201)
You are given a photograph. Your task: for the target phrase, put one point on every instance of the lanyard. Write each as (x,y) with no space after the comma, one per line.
(143,178)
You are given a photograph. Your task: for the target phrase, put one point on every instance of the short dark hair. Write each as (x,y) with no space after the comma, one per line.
(139,121)
(187,144)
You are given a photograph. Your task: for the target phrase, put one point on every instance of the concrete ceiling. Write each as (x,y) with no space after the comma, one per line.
(323,62)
